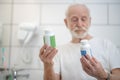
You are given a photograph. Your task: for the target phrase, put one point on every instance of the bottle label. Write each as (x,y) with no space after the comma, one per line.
(83,52)
(50,41)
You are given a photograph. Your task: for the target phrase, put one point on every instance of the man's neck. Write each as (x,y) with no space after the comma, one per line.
(77,40)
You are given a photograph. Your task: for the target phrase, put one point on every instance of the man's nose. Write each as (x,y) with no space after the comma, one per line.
(80,23)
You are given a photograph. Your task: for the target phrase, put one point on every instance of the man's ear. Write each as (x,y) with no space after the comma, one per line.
(65,21)
(90,22)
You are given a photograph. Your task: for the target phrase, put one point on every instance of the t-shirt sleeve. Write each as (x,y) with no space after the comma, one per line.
(114,56)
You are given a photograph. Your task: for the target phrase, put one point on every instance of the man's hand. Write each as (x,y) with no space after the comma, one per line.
(47,54)
(93,67)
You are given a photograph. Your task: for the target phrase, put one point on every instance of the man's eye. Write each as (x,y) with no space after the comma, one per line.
(84,19)
(74,19)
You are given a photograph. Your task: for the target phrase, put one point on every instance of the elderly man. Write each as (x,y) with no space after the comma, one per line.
(66,63)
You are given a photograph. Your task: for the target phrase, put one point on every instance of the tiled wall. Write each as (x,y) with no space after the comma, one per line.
(50,14)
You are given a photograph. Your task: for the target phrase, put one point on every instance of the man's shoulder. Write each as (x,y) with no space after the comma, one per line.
(99,39)
(102,41)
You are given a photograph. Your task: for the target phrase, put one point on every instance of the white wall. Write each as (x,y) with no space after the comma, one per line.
(50,14)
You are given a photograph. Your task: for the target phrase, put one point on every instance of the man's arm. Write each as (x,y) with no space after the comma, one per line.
(115,74)
(46,55)
(94,68)
(49,73)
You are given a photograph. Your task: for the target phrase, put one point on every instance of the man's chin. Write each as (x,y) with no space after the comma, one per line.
(75,35)
(79,37)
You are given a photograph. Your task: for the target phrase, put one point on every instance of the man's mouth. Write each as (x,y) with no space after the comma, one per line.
(79,30)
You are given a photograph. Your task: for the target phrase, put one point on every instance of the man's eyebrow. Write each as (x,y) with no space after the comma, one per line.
(73,16)
(84,16)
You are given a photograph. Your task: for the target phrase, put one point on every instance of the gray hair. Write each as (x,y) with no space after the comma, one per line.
(76,4)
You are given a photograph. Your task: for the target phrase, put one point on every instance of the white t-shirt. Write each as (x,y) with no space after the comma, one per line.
(67,61)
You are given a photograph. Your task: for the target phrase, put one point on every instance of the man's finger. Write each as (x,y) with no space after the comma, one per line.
(87,63)
(87,57)
(42,49)
(53,53)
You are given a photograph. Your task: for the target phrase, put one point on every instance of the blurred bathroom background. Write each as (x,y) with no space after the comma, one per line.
(19,18)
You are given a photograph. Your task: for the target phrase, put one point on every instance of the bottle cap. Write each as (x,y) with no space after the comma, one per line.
(48,31)
(83,42)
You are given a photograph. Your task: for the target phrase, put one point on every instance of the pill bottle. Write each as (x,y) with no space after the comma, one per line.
(85,48)
(49,38)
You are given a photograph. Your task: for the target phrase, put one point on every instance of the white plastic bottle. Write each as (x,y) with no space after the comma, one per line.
(49,38)
(85,48)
